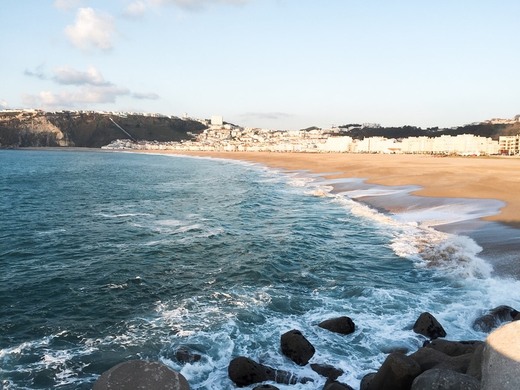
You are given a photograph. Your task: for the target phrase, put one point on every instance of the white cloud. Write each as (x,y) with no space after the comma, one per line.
(69,76)
(84,96)
(145,96)
(91,29)
(38,72)
(66,4)
(136,8)
(3,104)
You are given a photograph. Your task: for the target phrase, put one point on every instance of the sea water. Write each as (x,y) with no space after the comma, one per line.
(107,257)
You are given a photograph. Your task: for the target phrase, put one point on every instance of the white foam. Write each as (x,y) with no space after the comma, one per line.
(426,246)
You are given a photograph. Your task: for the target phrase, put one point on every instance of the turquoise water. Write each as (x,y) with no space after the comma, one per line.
(106,257)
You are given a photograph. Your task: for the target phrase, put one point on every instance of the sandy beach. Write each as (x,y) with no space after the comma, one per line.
(446,177)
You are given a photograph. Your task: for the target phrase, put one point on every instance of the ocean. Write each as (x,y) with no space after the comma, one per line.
(107,257)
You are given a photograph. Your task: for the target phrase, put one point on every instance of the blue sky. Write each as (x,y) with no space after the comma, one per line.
(280,64)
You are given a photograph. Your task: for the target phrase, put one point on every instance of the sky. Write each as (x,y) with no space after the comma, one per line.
(278,64)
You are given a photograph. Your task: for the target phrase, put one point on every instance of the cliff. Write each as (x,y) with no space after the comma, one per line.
(35,128)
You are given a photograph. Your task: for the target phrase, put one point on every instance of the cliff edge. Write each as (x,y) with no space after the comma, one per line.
(36,128)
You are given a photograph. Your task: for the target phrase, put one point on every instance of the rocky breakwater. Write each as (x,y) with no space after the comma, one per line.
(439,365)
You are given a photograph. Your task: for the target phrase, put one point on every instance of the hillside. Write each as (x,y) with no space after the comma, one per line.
(35,128)
(491,130)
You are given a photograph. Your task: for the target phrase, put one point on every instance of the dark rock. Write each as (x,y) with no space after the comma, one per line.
(475,365)
(139,374)
(335,385)
(456,363)
(437,379)
(244,372)
(397,373)
(366,380)
(427,358)
(296,347)
(494,318)
(342,325)
(428,326)
(184,355)
(454,348)
(517,317)
(266,387)
(327,371)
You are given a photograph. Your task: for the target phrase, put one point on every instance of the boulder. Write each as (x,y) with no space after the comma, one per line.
(366,380)
(428,358)
(266,387)
(396,373)
(428,326)
(184,355)
(296,347)
(439,379)
(456,363)
(501,358)
(494,318)
(454,348)
(244,372)
(327,371)
(334,385)
(342,325)
(139,374)
(475,365)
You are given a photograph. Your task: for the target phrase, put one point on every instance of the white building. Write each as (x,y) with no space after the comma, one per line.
(509,144)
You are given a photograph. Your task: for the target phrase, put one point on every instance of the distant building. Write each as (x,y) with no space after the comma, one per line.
(216,120)
(509,144)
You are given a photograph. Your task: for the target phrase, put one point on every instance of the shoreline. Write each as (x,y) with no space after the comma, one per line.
(437,177)
(409,187)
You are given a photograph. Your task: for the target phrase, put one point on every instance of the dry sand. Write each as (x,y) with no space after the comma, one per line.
(447,177)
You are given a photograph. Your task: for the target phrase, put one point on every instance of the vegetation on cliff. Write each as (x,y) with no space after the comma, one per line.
(35,128)
(491,130)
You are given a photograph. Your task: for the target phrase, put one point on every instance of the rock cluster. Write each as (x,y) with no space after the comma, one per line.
(293,344)
(439,365)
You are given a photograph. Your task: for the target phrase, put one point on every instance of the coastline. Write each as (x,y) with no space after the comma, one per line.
(476,197)
(438,177)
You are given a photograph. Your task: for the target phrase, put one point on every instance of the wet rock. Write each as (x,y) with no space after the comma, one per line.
(517,317)
(266,387)
(494,318)
(475,365)
(366,380)
(184,355)
(342,325)
(454,348)
(296,347)
(428,326)
(428,358)
(438,379)
(456,363)
(335,385)
(139,374)
(397,373)
(327,371)
(244,372)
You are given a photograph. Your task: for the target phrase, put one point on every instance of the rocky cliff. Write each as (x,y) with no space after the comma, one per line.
(35,128)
